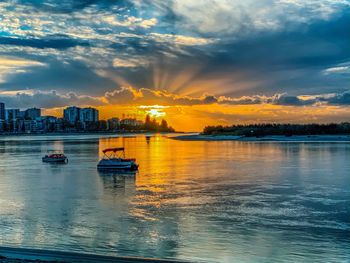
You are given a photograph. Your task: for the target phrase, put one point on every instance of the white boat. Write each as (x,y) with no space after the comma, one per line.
(55,157)
(114,159)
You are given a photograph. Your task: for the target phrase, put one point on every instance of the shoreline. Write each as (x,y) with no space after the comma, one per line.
(79,136)
(83,133)
(272,138)
(26,255)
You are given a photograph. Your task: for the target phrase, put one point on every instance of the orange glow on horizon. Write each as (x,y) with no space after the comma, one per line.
(195,118)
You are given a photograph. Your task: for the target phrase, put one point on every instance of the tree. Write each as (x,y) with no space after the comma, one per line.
(164,124)
(148,119)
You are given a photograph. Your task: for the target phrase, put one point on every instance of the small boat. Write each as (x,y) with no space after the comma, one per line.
(114,159)
(55,157)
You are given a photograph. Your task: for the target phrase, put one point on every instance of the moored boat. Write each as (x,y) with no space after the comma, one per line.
(55,157)
(114,159)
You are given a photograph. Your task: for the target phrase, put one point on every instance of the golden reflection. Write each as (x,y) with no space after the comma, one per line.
(175,173)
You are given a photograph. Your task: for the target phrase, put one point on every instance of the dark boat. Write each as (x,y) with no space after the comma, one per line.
(114,159)
(55,157)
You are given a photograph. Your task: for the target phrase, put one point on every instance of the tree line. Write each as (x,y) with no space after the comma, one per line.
(154,126)
(259,130)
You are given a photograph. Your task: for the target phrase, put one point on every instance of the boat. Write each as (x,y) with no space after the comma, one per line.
(55,157)
(114,159)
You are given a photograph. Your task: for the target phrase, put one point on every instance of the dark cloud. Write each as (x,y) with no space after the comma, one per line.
(287,100)
(63,76)
(146,96)
(153,97)
(47,42)
(278,61)
(131,96)
(287,61)
(290,58)
(48,100)
(337,99)
(69,6)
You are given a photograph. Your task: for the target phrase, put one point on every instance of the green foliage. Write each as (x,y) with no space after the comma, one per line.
(154,126)
(258,130)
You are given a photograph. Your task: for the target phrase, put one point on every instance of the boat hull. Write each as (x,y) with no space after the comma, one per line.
(117,165)
(55,160)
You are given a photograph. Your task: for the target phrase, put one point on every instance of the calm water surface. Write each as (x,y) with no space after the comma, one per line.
(200,201)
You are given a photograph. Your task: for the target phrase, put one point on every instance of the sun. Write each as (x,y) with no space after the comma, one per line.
(156,113)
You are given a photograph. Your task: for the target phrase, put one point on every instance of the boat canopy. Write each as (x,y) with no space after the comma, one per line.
(113,150)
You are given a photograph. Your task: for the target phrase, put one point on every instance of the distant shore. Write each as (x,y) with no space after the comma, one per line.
(83,133)
(272,138)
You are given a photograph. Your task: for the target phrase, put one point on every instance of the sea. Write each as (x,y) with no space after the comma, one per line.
(197,201)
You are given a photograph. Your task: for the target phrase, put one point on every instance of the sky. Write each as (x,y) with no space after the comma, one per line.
(194,63)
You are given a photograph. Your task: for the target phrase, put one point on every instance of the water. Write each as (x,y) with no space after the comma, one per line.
(200,201)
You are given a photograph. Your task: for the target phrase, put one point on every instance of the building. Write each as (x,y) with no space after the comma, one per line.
(12,114)
(32,114)
(22,114)
(2,111)
(131,122)
(88,115)
(71,114)
(2,125)
(113,124)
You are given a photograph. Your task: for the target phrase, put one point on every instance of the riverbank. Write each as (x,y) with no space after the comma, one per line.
(84,133)
(272,138)
(78,136)
(25,255)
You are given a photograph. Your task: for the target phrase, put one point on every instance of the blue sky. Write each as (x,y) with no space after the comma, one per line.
(175,52)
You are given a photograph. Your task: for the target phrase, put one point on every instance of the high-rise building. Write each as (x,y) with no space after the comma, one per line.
(2,111)
(22,114)
(71,114)
(88,115)
(11,114)
(32,113)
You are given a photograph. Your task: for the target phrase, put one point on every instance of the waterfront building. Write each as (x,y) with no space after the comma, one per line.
(32,114)
(2,125)
(88,115)
(2,111)
(71,114)
(12,114)
(113,124)
(11,125)
(22,114)
(131,122)
(74,119)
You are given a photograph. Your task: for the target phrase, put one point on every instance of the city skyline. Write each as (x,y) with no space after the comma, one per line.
(197,63)
(82,111)
(73,119)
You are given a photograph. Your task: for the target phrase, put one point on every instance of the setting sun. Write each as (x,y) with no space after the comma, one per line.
(155,111)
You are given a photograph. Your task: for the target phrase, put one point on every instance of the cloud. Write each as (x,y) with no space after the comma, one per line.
(144,98)
(181,39)
(161,97)
(230,47)
(11,65)
(130,21)
(63,76)
(337,99)
(237,17)
(337,70)
(286,100)
(48,100)
(48,42)
(129,62)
